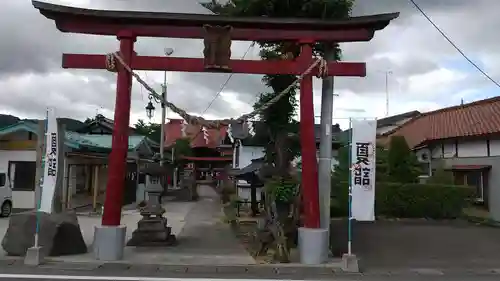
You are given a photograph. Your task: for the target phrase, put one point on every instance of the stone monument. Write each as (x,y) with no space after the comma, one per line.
(152,229)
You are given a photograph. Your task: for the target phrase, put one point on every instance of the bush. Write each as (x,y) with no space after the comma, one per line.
(409,200)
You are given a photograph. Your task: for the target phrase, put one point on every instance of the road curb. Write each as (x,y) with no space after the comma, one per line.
(270,271)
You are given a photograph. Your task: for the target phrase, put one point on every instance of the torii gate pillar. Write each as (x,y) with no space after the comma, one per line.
(109,238)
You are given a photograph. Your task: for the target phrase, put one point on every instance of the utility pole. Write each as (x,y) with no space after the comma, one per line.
(387,73)
(168,52)
(325,151)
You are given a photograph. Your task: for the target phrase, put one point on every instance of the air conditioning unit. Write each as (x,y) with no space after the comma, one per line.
(424,156)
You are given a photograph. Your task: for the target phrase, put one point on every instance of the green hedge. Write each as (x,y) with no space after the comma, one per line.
(408,200)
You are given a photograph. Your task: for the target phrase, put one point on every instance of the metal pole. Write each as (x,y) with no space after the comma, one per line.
(163,116)
(387,73)
(349,222)
(325,148)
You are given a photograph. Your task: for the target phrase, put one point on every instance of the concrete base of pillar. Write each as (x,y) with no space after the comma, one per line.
(350,263)
(313,245)
(109,242)
(34,256)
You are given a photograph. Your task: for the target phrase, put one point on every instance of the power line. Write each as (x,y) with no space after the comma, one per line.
(453,44)
(227,81)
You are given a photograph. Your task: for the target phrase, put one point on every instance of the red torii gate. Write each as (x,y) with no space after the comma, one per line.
(127,26)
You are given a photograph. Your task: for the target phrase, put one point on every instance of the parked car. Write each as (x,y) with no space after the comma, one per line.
(5,195)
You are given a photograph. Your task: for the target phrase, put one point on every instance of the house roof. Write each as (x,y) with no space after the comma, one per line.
(173,132)
(101,122)
(394,119)
(472,119)
(76,140)
(102,141)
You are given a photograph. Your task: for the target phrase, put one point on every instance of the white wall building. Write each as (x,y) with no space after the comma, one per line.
(464,139)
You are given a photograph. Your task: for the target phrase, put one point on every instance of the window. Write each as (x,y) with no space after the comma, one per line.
(3,179)
(22,175)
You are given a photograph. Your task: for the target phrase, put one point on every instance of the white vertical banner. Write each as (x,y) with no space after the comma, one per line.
(363,147)
(50,167)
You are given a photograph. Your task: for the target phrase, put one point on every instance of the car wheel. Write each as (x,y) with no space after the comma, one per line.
(6,209)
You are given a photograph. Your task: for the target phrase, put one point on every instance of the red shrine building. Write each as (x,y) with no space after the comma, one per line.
(211,147)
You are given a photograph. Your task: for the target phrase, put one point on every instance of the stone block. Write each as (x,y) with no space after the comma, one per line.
(59,234)
(34,256)
(350,263)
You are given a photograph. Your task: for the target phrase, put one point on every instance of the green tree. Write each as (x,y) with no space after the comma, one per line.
(142,128)
(150,130)
(442,176)
(402,162)
(282,131)
(279,117)
(341,173)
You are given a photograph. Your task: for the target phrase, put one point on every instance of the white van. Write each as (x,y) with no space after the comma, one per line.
(5,195)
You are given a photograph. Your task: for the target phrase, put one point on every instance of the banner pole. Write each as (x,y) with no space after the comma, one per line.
(39,199)
(349,221)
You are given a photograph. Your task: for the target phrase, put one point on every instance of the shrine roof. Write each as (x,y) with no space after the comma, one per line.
(174,128)
(55,12)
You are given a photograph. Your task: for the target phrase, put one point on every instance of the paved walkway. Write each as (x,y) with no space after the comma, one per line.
(204,239)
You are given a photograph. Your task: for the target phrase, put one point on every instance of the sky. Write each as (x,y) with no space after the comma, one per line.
(424,71)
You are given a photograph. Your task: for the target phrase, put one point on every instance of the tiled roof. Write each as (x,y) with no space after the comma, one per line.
(393,120)
(73,139)
(173,132)
(101,141)
(472,119)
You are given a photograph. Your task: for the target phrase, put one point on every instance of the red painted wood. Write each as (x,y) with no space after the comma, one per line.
(243,34)
(81,61)
(118,156)
(309,183)
(195,158)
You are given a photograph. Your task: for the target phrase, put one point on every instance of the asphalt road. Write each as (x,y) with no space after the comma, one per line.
(28,277)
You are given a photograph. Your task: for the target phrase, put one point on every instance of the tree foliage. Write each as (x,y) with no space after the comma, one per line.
(396,164)
(341,173)
(279,117)
(402,162)
(442,176)
(150,130)
(282,130)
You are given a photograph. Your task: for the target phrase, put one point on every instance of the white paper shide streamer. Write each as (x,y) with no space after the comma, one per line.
(363,169)
(206,136)
(230,133)
(251,129)
(51,163)
(184,125)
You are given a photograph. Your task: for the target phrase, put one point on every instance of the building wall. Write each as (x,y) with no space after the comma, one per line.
(21,199)
(476,152)
(248,153)
(472,148)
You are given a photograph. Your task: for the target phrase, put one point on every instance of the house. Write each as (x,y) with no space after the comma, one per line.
(390,123)
(464,139)
(85,164)
(99,125)
(254,147)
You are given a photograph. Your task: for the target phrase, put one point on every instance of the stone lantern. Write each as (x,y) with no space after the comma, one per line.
(152,229)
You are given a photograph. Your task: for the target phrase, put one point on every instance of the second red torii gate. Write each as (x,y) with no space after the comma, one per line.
(127,26)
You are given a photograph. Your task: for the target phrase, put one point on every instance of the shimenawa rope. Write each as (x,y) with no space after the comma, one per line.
(111,65)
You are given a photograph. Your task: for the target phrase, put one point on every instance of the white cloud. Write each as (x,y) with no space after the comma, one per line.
(31,78)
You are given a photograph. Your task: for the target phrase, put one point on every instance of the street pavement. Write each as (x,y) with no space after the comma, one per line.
(31,277)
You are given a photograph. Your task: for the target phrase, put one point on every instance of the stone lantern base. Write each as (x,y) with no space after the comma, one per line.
(152,231)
